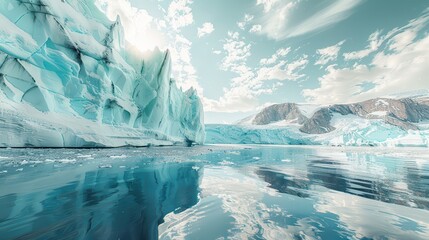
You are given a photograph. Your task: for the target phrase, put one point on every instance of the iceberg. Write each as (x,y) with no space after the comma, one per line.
(69,79)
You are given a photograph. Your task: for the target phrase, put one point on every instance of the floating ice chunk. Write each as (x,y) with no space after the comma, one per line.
(225,162)
(195,168)
(234,152)
(105,166)
(66,160)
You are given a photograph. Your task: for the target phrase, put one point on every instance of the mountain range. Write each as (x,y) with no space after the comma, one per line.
(380,121)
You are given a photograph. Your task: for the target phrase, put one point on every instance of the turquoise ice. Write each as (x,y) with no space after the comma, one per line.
(69,79)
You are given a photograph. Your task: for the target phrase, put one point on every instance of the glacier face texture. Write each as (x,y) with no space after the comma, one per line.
(69,79)
(375,122)
(241,134)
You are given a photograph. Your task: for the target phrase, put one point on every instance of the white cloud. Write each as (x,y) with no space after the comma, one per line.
(267,4)
(283,70)
(206,29)
(274,22)
(256,29)
(328,54)
(217,52)
(179,14)
(375,42)
(402,37)
(397,39)
(240,95)
(237,52)
(247,18)
(250,83)
(183,70)
(281,20)
(279,53)
(401,69)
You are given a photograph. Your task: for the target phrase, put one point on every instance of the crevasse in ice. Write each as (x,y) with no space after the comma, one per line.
(69,79)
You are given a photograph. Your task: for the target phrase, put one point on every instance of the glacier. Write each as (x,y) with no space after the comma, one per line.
(350,131)
(68,78)
(242,134)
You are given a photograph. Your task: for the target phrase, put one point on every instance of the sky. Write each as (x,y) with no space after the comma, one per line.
(244,55)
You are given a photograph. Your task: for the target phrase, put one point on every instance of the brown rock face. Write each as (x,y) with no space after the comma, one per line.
(278,112)
(319,123)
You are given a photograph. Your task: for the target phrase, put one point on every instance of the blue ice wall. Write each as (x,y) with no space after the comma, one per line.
(68,79)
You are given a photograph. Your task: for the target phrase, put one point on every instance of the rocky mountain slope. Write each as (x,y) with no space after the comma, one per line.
(381,121)
(402,113)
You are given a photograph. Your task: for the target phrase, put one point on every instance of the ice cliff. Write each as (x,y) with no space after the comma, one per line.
(375,122)
(69,79)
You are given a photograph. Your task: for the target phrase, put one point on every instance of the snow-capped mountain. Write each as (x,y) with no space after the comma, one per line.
(381,121)
(69,79)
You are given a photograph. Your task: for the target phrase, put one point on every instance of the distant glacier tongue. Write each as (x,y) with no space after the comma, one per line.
(68,79)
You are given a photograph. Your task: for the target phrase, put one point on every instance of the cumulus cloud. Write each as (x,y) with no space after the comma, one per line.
(328,54)
(246,20)
(256,29)
(240,95)
(402,67)
(205,29)
(179,14)
(237,52)
(281,19)
(279,53)
(183,71)
(284,70)
(250,83)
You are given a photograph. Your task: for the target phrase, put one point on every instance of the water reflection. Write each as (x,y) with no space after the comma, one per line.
(319,194)
(106,203)
(284,183)
(386,180)
(245,193)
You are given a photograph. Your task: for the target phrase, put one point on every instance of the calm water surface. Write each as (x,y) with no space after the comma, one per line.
(214,192)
